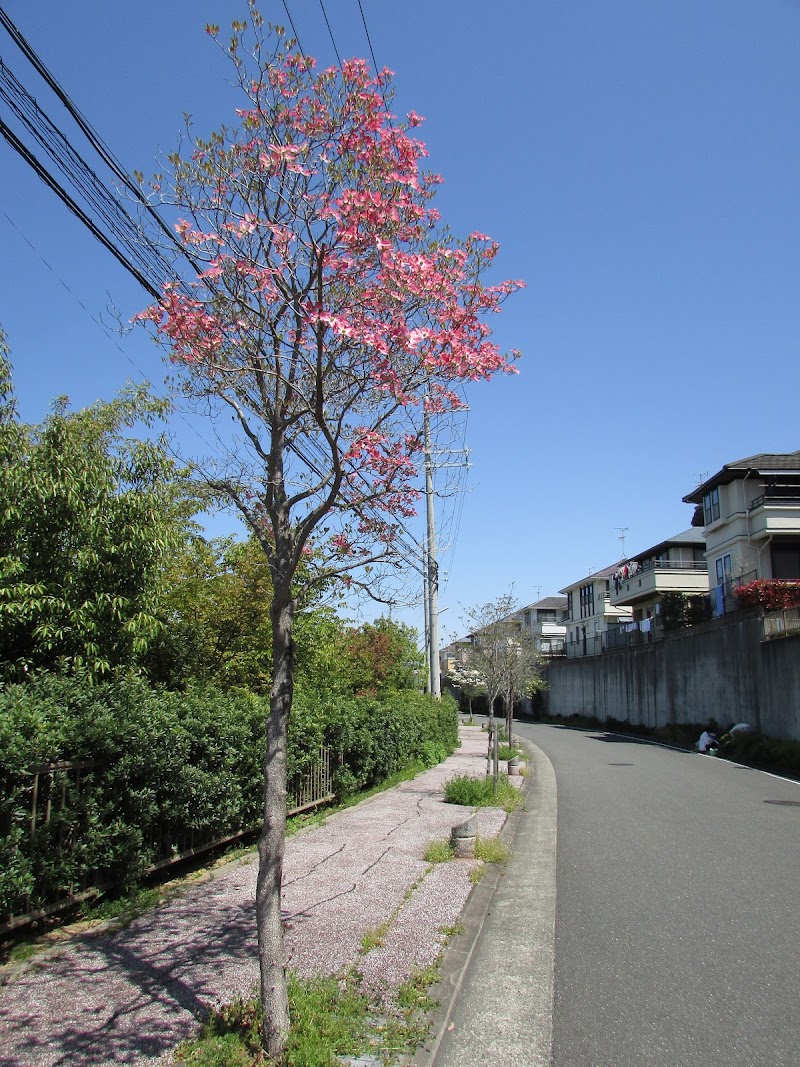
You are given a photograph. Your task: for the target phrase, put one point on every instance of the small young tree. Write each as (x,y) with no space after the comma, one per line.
(500,654)
(487,645)
(522,669)
(331,308)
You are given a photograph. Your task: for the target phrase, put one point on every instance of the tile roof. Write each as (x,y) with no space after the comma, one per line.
(547,602)
(767,461)
(762,463)
(692,536)
(605,572)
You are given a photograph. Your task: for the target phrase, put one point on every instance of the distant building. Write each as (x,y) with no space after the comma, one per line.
(454,656)
(590,613)
(545,622)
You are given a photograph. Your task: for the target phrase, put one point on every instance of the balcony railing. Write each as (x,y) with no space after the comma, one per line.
(674,565)
(633,570)
(722,598)
(634,634)
(776,495)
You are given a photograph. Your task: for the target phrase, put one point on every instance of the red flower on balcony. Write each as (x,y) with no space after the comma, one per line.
(769,594)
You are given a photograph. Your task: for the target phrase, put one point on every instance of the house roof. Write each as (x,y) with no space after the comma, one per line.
(606,572)
(546,602)
(765,463)
(692,536)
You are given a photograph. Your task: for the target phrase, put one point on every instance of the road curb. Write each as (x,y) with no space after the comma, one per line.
(460,952)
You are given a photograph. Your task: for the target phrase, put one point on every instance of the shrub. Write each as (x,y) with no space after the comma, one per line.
(761,751)
(379,737)
(770,594)
(479,792)
(163,772)
(154,773)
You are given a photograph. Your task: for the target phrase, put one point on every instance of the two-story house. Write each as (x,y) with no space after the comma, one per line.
(590,613)
(676,565)
(750,515)
(544,620)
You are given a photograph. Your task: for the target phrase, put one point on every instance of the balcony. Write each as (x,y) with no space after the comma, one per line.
(656,576)
(775,495)
(775,511)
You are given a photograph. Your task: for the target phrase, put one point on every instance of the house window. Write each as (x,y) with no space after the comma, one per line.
(587,600)
(786,560)
(724,570)
(711,507)
(569,605)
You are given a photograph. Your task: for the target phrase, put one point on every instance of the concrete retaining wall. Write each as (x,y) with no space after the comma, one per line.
(723,670)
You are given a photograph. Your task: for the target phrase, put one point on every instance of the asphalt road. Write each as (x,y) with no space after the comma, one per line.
(677,907)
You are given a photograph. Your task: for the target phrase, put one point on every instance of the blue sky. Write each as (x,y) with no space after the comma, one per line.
(639,163)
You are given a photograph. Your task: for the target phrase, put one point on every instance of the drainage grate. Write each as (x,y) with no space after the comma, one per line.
(785,803)
(620,764)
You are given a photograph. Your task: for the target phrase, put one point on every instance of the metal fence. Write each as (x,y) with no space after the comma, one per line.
(313,786)
(781,623)
(56,793)
(634,634)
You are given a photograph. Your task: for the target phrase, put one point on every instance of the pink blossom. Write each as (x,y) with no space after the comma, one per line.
(320,250)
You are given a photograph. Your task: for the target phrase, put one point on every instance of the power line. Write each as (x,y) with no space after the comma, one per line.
(330,32)
(72,165)
(90,133)
(294,28)
(64,196)
(145,378)
(369,39)
(139,245)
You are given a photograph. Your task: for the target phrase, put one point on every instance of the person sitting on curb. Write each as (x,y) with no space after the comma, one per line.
(708,743)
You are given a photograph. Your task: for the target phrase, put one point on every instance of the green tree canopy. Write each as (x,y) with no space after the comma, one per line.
(383,656)
(215,612)
(89,517)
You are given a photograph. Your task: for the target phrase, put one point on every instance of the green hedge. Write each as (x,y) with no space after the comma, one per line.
(379,736)
(168,771)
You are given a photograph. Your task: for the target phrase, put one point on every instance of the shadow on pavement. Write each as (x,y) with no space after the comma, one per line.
(625,739)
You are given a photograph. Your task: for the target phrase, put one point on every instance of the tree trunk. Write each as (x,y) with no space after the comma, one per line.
(271,953)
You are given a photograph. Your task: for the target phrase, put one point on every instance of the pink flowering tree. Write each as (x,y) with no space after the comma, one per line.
(330,310)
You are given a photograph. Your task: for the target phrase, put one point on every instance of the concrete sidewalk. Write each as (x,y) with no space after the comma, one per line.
(496,994)
(130,996)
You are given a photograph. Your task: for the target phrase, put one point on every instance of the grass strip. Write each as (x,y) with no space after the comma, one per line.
(480,793)
(332,1018)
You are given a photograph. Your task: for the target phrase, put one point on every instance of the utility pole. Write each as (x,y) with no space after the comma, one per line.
(432,568)
(427,611)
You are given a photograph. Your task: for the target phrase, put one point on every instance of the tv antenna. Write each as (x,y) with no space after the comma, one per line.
(621,538)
